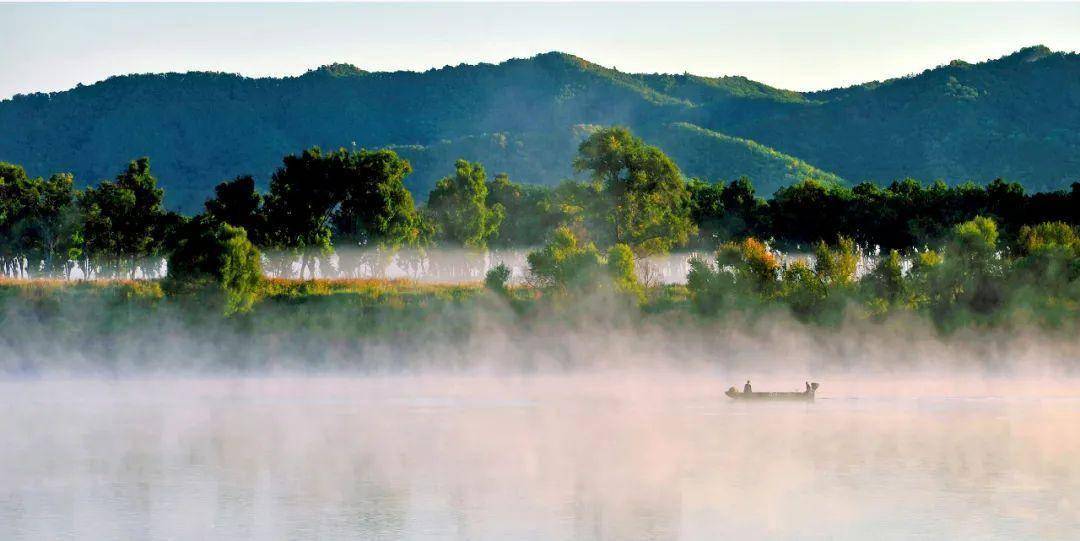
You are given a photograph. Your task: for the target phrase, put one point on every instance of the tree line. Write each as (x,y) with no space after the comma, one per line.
(631,194)
(971,276)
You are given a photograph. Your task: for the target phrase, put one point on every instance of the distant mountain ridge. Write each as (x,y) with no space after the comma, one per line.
(1016,117)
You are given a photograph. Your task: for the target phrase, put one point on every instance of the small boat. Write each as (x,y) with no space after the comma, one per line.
(807,395)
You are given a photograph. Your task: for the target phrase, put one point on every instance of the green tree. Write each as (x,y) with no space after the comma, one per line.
(1049,237)
(459,208)
(299,207)
(237,202)
(56,223)
(745,214)
(565,263)
(1049,256)
(809,211)
(375,209)
(707,210)
(213,252)
(887,278)
(651,201)
(969,281)
(39,222)
(529,213)
(582,207)
(12,177)
(621,269)
(754,264)
(836,266)
(357,197)
(975,242)
(497,278)
(803,289)
(1005,201)
(123,219)
(710,290)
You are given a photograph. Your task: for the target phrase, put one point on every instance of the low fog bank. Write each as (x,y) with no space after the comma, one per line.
(315,339)
(318,418)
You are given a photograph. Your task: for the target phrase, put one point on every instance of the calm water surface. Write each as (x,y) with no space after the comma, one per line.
(545,458)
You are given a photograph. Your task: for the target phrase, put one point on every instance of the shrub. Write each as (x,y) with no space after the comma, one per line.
(497,278)
(211,252)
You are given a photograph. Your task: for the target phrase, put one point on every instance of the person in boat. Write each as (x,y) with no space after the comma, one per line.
(808,386)
(746,388)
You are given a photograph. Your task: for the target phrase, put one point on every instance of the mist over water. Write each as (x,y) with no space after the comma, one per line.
(593,455)
(595,432)
(577,425)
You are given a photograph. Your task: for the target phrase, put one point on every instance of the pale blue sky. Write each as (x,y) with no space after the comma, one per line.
(798,46)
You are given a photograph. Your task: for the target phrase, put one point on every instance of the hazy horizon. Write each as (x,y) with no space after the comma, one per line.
(803,47)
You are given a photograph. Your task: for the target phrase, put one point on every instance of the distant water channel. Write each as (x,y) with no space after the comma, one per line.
(443,266)
(592,457)
(447,266)
(463,266)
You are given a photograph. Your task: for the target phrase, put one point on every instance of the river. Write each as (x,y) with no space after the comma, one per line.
(575,456)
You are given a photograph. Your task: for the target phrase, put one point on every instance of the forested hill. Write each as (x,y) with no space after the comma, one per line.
(1016,117)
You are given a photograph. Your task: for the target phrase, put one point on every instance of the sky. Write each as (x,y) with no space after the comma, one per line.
(798,46)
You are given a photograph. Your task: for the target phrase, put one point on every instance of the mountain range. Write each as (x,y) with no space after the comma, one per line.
(1016,117)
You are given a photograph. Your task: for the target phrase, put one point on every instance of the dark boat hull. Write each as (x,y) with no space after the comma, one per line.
(807,396)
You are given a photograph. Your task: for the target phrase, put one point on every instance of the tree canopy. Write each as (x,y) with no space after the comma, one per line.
(356,195)
(648,194)
(635,198)
(124,220)
(218,253)
(459,207)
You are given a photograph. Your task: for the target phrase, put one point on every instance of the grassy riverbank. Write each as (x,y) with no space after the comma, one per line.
(119,326)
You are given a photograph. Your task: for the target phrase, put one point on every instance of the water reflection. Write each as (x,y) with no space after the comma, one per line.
(569,457)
